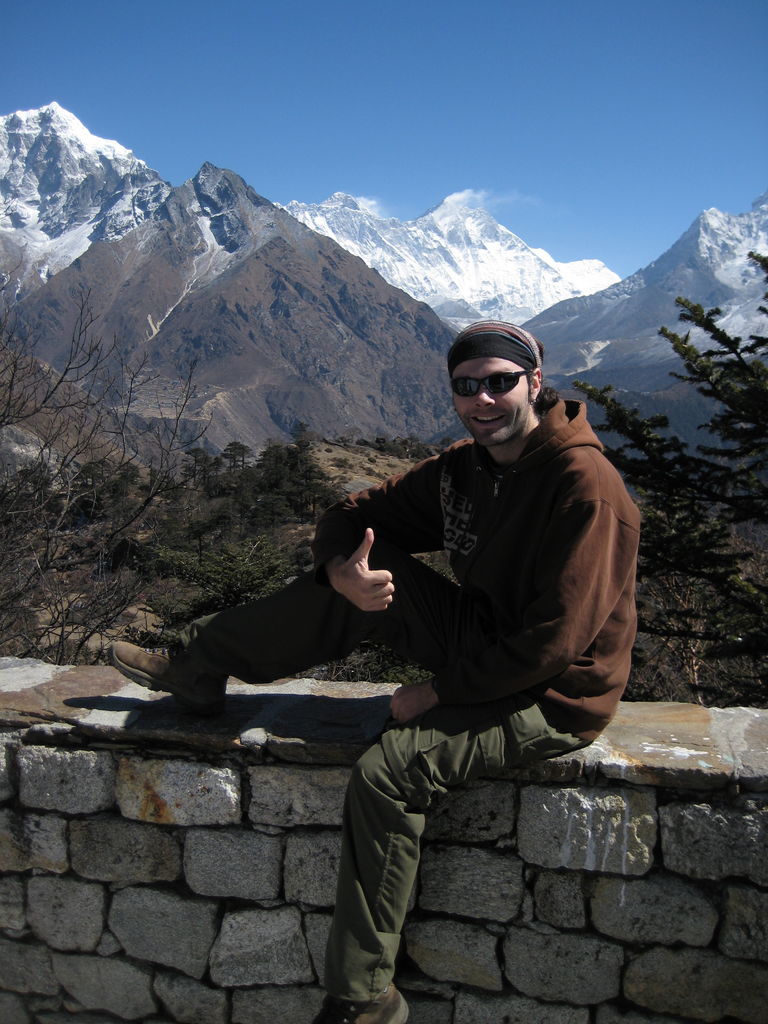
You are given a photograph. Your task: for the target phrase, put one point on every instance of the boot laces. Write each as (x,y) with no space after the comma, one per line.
(161,652)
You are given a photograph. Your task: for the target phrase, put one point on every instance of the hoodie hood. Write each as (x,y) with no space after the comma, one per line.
(564,426)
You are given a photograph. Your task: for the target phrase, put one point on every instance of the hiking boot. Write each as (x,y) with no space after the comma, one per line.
(160,668)
(388,1008)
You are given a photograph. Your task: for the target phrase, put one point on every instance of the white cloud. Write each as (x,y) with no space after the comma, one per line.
(471,197)
(515,198)
(487,200)
(371,205)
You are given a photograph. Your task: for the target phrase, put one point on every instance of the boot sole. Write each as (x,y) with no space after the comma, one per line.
(162,686)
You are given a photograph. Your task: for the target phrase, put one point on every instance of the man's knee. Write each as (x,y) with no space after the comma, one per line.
(372,774)
(398,769)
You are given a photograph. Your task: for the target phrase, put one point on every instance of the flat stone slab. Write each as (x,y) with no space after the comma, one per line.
(683,745)
(300,720)
(319,722)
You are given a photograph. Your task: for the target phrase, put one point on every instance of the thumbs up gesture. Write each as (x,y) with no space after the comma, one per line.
(370,590)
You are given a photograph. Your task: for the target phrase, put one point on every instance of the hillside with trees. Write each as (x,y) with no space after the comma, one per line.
(116,521)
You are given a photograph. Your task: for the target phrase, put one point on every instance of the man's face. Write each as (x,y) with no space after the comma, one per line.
(498,422)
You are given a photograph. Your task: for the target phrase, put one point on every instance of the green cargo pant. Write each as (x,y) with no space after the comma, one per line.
(394,783)
(390,789)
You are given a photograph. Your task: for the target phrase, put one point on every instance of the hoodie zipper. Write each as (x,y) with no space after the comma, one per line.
(497,479)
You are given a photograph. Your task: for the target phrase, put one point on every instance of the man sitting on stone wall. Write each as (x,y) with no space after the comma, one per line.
(529,652)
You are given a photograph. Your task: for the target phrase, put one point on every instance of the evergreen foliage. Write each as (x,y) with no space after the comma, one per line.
(703,595)
(230,574)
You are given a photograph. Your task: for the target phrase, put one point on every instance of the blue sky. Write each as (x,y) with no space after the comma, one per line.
(589,128)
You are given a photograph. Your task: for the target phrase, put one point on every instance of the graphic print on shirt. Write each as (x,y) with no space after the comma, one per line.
(457,514)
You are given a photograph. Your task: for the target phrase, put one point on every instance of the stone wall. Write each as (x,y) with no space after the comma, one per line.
(157,868)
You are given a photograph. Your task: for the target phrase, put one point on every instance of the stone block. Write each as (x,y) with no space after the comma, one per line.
(658,909)
(411,980)
(7,787)
(707,841)
(119,987)
(611,1015)
(479,1008)
(12,1009)
(25,967)
(12,903)
(190,1002)
(563,967)
(261,947)
(455,951)
(178,792)
(426,1010)
(697,984)
(233,863)
(743,732)
(108,944)
(165,928)
(127,852)
(317,927)
(664,744)
(559,899)
(480,811)
(71,1016)
(65,913)
(68,781)
(311,866)
(270,1004)
(745,926)
(471,882)
(288,796)
(33,841)
(588,828)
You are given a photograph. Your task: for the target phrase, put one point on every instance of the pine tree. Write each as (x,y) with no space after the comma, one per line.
(703,581)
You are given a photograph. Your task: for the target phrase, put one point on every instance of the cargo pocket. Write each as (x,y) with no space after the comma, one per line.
(530,737)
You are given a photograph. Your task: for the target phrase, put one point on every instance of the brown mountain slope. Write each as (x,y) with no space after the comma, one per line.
(283,324)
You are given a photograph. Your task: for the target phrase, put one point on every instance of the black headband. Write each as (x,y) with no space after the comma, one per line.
(495,338)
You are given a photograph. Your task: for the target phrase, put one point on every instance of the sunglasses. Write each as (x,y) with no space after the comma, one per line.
(494,383)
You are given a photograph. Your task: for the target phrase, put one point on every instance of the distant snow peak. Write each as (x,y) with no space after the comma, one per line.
(456,257)
(92,143)
(63,188)
(53,119)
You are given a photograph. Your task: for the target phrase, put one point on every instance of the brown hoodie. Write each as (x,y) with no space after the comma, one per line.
(546,549)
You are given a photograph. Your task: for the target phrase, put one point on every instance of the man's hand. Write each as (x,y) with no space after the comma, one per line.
(409,701)
(370,590)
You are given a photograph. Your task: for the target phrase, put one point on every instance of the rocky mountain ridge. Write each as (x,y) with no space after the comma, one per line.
(282,324)
(613,335)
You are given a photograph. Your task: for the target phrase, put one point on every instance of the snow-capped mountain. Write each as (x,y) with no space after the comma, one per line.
(614,334)
(455,257)
(62,188)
